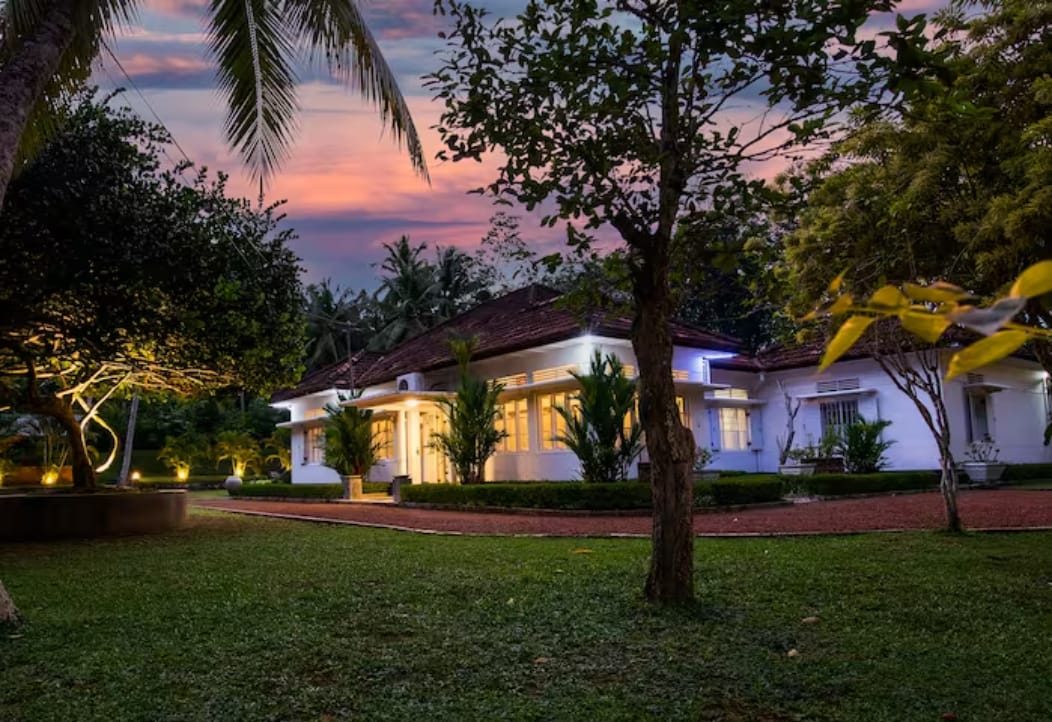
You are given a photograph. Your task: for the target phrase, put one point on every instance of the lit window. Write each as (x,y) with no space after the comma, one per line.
(512,418)
(383,437)
(553,374)
(314,445)
(838,415)
(553,425)
(731,393)
(633,416)
(734,429)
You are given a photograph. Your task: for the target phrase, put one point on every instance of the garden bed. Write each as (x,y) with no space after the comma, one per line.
(304,492)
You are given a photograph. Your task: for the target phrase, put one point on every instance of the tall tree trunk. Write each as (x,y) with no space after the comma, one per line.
(670,445)
(26,74)
(8,612)
(948,487)
(129,441)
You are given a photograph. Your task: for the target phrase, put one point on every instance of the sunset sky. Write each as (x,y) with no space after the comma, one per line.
(348,186)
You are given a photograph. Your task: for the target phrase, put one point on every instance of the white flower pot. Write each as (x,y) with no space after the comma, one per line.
(232,482)
(984,472)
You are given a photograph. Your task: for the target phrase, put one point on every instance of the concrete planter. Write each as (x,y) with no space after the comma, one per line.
(43,516)
(396,487)
(796,469)
(984,472)
(352,487)
(233,482)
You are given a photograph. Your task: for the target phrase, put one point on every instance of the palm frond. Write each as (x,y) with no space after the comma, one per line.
(335,33)
(255,49)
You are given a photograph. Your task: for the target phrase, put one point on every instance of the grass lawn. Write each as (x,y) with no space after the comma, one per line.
(239,618)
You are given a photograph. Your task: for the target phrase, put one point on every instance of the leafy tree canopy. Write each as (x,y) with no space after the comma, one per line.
(119,274)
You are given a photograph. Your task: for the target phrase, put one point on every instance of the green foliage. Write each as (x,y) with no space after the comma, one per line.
(240,449)
(472,435)
(181,453)
(595,497)
(289,491)
(862,447)
(280,445)
(1027,472)
(841,484)
(349,444)
(595,427)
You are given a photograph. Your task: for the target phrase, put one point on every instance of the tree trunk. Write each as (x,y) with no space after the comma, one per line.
(26,74)
(62,412)
(670,445)
(8,612)
(129,441)
(948,487)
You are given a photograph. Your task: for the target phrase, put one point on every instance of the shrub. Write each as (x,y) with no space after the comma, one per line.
(629,496)
(841,484)
(240,449)
(290,491)
(376,487)
(1025,472)
(862,448)
(743,490)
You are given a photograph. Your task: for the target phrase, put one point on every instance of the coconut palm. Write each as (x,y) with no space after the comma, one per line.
(47,46)
(407,293)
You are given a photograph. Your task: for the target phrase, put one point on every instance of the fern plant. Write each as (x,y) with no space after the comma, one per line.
(596,431)
(472,435)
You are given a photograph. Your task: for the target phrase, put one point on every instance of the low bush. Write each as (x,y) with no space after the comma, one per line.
(841,484)
(1026,472)
(621,496)
(376,487)
(738,490)
(290,491)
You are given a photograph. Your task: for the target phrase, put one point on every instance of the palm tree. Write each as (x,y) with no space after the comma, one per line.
(48,45)
(459,283)
(408,293)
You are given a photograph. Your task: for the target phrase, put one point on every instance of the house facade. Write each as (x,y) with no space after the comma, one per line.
(734,403)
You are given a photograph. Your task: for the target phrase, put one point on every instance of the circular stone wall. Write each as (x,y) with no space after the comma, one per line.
(34,517)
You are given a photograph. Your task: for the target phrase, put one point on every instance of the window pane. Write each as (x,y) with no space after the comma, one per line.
(522,412)
(734,430)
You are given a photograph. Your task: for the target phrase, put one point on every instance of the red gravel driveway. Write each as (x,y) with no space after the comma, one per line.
(980,509)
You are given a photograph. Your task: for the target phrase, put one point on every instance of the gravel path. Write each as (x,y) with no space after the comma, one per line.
(980,509)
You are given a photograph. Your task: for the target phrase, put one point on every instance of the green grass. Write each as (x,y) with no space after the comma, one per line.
(1039,484)
(249,619)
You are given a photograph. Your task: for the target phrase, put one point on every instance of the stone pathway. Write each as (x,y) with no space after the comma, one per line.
(986,509)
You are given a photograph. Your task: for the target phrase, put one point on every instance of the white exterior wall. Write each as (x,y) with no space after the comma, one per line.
(1017,414)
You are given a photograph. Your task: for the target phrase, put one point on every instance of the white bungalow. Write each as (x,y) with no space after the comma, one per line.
(732,402)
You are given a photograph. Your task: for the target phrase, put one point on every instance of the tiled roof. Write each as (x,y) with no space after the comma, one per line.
(522,319)
(338,375)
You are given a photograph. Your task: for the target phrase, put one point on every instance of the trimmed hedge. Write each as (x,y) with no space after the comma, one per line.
(841,484)
(738,490)
(1026,472)
(626,496)
(290,491)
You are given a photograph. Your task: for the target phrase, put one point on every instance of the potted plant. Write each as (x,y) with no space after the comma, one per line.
(983,466)
(349,446)
(799,461)
(702,458)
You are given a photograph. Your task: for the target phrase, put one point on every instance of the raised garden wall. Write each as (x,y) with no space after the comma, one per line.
(41,516)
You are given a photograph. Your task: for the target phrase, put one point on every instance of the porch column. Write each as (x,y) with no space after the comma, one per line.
(403,443)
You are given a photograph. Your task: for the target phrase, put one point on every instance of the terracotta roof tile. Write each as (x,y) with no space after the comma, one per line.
(522,319)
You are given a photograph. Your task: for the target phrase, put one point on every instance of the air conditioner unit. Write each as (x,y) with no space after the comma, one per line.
(411,382)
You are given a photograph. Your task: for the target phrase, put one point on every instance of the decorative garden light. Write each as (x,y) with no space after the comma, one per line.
(239,469)
(136,476)
(182,475)
(50,478)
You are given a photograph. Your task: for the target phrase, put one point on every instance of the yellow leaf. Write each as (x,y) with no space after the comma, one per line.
(986,351)
(889,297)
(925,325)
(845,338)
(836,283)
(841,305)
(935,293)
(1034,281)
